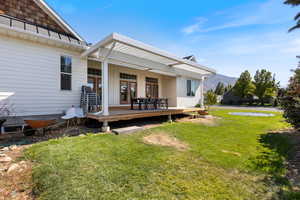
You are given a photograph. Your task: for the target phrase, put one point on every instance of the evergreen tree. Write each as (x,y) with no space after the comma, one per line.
(220,89)
(227,88)
(297,17)
(290,99)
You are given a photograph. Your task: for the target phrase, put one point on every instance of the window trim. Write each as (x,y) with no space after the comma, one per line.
(66,73)
(192,93)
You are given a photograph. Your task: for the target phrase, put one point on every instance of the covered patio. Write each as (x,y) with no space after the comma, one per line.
(127,63)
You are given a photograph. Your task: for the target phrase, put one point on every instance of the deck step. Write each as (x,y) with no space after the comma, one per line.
(127,130)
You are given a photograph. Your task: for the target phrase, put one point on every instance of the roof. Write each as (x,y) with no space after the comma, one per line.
(191,58)
(133,47)
(58,19)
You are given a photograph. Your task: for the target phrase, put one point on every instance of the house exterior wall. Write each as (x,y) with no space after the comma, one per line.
(173,88)
(169,90)
(30,77)
(28,10)
(182,99)
(114,81)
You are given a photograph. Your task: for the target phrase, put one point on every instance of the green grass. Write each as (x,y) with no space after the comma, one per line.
(123,167)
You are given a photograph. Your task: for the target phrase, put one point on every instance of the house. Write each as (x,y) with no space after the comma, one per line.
(44,63)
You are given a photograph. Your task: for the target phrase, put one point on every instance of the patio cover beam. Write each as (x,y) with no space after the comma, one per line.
(144,47)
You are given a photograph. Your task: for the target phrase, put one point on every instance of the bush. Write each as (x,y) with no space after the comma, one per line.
(290,100)
(198,105)
(210,99)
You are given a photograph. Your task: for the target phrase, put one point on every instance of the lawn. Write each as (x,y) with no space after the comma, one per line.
(236,159)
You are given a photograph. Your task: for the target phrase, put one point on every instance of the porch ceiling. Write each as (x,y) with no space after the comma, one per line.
(128,46)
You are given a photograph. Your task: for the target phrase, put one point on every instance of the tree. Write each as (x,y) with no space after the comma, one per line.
(290,99)
(210,99)
(297,17)
(220,89)
(244,87)
(227,88)
(265,85)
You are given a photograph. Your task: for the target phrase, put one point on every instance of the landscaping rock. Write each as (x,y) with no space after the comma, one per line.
(3,169)
(13,168)
(13,147)
(207,116)
(5,159)
(14,194)
(127,130)
(4,149)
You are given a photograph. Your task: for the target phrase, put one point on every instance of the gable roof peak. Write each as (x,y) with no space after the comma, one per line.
(57,18)
(190,58)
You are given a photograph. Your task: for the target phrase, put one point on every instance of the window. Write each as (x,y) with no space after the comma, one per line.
(65,73)
(127,76)
(94,72)
(191,88)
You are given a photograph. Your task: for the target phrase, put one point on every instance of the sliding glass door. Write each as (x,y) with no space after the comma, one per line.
(152,89)
(128,88)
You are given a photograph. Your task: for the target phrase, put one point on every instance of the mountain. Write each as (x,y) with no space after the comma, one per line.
(212,81)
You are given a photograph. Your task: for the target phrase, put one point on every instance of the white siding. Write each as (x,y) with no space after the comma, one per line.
(30,73)
(169,90)
(114,82)
(173,88)
(167,85)
(184,101)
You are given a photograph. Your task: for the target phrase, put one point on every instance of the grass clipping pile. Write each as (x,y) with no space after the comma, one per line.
(163,139)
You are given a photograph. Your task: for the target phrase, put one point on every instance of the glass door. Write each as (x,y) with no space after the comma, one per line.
(95,84)
(124,92)
(128,90)
(152,87)
(133,90)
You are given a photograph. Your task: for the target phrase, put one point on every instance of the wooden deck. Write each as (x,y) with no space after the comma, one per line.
(118,114)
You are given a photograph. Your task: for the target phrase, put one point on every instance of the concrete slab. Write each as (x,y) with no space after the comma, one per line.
(127,130)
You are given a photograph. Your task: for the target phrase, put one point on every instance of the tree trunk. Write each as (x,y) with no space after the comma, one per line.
(262,103)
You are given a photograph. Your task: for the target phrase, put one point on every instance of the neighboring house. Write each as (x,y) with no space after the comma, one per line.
(44,63)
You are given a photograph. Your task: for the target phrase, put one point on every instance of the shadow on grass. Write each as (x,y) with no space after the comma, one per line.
(278,148)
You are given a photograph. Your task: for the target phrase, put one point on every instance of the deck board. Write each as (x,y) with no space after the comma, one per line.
(127,114)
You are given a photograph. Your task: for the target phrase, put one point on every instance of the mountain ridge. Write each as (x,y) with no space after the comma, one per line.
(212,81)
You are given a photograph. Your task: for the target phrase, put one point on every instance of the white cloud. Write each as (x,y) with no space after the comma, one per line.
(266,13)
(194,27)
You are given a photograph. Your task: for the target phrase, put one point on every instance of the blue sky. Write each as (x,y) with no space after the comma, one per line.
(228,35)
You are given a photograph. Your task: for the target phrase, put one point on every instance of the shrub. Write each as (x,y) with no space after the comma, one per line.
(290,100)
(210,99)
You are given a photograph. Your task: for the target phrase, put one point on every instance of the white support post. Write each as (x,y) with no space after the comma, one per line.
(105,87)
(105,127)
(202,91)
(170,118)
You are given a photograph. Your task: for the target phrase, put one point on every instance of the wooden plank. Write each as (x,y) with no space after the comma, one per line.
(132,114)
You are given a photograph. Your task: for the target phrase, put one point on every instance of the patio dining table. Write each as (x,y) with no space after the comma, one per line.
(157,103)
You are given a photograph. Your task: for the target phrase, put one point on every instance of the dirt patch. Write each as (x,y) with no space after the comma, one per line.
(15,175)
(209,121)
(165,140)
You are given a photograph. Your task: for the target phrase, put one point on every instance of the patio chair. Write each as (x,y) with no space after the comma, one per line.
(151,101)
(163,103)
(89,100)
